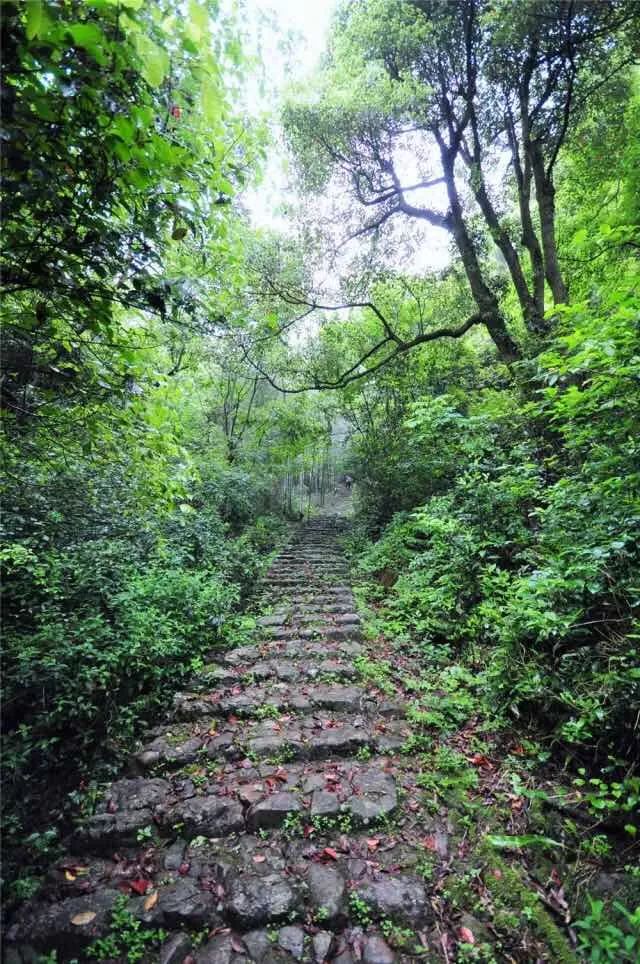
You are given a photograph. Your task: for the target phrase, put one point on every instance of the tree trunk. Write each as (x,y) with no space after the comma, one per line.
(545,194)
(483,296)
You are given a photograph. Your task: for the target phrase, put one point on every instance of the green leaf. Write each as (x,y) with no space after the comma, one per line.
(155,61)
(515,843)
(35,21)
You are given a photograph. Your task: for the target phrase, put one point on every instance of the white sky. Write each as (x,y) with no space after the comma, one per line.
(290,36)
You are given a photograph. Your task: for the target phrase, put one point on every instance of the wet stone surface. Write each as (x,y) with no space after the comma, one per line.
(250,820)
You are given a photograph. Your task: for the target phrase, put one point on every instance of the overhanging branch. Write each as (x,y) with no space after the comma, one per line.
(356,371)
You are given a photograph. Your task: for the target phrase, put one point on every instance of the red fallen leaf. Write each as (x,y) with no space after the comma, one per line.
(189,959)
(236,690)
(373,843)
(480,760)
(330,852)
(281,774)
(140,886)
(259,858)
(237,944)
(232,720)
(308,830)
(183,869)
(520,750)
(270,782)
(112,806)
(429,843)
(466,935)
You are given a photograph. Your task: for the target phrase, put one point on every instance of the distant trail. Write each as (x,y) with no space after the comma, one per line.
(267,813)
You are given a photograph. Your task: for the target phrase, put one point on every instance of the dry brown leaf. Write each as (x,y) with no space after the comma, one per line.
(84,918)
(151,900)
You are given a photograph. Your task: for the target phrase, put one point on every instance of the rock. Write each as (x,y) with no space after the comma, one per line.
(258,944)
(212,816)
(134,794)
(343,740)
(344,957)
(254,900)
(322,942)
(184,904)
(50,926)
(327,890)
(175,949)
(377,951)
(250,795)
(262,949)
(377,797)
(324,804)
(340,698)
(174,855)
(104,832)
(291,939)
(404,899)
(219,950)
(272,811)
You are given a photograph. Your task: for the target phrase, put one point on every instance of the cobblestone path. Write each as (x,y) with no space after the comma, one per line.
(273,817)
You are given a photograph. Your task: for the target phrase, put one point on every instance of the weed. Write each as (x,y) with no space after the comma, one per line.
(127,940)
(292,826)
(603,940)
(360,909)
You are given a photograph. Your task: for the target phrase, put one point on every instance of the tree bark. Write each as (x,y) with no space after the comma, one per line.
(484,297)
(545,195)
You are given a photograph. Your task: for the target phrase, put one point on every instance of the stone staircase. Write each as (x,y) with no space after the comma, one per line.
(272,818)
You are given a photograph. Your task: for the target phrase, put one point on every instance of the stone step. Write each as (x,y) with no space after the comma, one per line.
(244,883)
(282,613)
(327,631)
(246,656)
(306,737)
(262,701)
(325,797)
(305,616)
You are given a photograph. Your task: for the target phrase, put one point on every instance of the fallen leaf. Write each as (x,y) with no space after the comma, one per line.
(466,935)
(429,843)
(84,918)
(373,843)
(140,886)
(69,875)
(151,900)
(259,858)
(330,852)
(237,945)
(183,869)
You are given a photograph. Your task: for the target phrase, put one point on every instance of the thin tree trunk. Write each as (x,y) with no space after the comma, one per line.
(545,194)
